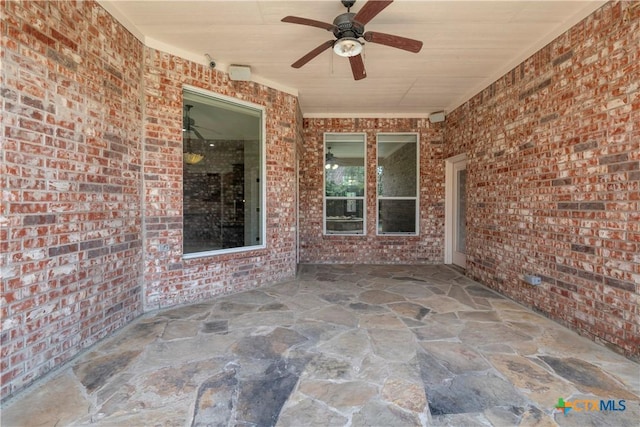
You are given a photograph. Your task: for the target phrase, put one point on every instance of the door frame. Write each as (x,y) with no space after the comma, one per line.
(449,205)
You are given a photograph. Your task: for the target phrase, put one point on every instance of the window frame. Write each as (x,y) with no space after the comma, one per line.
(261,110)
(416,198)
(326,198)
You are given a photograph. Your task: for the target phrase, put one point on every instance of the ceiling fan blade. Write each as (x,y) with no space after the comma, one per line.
(315,52)
(394,41)
(198,134)
(370,10)
(357,67)
(309,22)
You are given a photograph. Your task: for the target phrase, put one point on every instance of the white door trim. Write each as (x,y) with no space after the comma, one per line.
(449,205)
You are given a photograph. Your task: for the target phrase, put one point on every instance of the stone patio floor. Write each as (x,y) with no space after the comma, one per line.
(345,345)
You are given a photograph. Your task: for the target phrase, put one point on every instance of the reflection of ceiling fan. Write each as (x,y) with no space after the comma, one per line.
(330,160)
(348,28)
(189,124)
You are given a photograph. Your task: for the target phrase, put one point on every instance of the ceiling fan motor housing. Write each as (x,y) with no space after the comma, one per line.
(347,27)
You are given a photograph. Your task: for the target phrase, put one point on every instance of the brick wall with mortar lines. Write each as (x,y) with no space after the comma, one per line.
(169,279)
(554,178)
(427,247)
(72,217)
(71,85)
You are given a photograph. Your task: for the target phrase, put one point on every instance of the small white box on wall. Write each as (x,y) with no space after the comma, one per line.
(239,72)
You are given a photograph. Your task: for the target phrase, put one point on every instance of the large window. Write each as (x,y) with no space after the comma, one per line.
(344,183)
(397,186)
(223,175)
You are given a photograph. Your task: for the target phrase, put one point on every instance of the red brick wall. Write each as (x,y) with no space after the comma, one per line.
(554,178)
(372,249)
(92,184)
(168,278)
(71,173)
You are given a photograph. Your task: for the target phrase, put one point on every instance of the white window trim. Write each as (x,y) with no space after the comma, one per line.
(324,186)
(416,197)
(263,174)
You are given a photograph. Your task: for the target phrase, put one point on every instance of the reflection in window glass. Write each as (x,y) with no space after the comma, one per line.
(397,186)
(344,183)
(397,216)
(222,175)
(461,215)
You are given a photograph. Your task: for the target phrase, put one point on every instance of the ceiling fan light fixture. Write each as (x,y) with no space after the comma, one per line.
(192,158)
(347,46)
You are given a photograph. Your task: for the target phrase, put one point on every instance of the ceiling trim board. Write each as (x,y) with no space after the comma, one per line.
(329,115)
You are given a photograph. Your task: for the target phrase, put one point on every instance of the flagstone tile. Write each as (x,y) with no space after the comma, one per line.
(433,330)
(178,329)
(481,333)
(588,377)
(94,372)
(338,395)
(346,345)
(381,321)
(410,310)
(396,345)
(472,393)
(456,357)
(61,402)
(322,366)
(333,314)
(269,346)
(352,344)
(537,383)
(214,400)
(536,417)
(380,297)
(380,414)
(405,394)
(215,327)
(187,311)
(310,413)
(441,304)
(472,419)
(479,316)
(411,290)
(267,318)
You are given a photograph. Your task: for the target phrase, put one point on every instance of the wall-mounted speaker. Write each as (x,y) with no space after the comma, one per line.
(239,72)
(436,117)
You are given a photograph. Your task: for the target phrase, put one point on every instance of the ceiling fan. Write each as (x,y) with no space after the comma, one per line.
(189,124)
(348,28)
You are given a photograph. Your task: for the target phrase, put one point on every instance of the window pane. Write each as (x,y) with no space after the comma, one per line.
(397,183)
(222,194)
(344,181)
(344,166)
(345,216)
(396,216)
(461,215)
(397,168)
(345,178)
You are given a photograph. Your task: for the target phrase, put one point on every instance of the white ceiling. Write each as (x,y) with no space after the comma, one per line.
(467,46)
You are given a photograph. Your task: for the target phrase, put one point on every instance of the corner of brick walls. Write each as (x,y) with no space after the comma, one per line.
(71,85)
(92,184)
(426,248)
(170,280)
(554,178)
